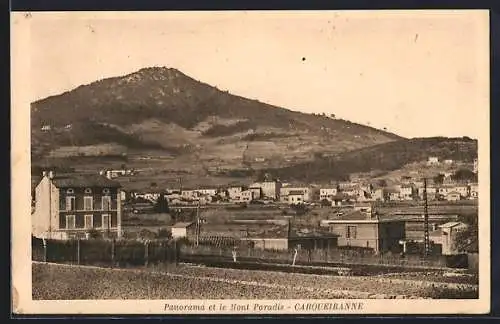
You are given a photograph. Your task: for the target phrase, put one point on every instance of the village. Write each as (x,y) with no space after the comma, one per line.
(268,215)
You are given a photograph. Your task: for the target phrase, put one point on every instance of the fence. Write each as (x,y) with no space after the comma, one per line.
(322,256)
(105,252)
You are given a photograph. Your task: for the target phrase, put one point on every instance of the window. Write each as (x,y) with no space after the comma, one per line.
(87,203)
(89,221)
(70,203)
(106,203)
(70,191)
(106,221)
(105,191)
(70,221)
(88,191)
(351,232)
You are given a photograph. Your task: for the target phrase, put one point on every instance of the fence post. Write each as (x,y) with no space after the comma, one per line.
(78,251)
(44,250)
(146,253)
(113,252)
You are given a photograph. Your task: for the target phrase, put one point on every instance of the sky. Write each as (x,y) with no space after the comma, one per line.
(417,74)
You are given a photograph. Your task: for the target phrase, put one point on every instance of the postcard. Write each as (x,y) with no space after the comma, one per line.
(250,162)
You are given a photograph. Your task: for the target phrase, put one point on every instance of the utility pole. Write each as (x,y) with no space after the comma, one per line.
(198,223)
(426,222)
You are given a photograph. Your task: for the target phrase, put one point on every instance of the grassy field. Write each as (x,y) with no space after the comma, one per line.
(66,282)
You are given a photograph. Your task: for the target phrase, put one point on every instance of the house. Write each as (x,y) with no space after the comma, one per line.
(377,194)
(365,230)
(207,191)
(189,194)
(256,192)
(307,193)
(431,192)
(445,189)
(71,205)
(327,193)
(406,192)
(392,194)
(46,128)
(463,190)
(234,191)
(284,238)
(473,191)
(269,189)
(449,237)
(444,238)
(448,161)
(296,197)
(453,196)
(247,195)
(432,160)
(183,229)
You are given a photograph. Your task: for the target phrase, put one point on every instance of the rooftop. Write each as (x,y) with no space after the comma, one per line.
(182,224)
(83,180)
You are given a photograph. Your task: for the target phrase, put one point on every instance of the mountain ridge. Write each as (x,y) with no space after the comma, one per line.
(186,115)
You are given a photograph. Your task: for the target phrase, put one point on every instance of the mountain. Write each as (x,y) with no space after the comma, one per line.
(161,111)
(382,157)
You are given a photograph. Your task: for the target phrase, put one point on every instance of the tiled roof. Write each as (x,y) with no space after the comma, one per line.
(83,180)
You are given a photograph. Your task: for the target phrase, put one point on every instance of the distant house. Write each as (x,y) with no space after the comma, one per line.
(463,190)
(269,189)
(71,205)
(406,192)
(445,189)
(296,197)
(234,191)
(307,193)
(364,230)
(377,194)
(189,193)
(246,196)
(448,161)
(473,191)
(327,193)
(431,192)
(432,160)
(256,192)
(453,196)
(183,229)
(207,191)
(392,194)
(46,128)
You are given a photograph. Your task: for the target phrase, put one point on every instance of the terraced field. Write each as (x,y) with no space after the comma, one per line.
(53,281)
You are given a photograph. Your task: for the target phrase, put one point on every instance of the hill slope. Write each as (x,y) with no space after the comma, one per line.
(383,157)
(163,110)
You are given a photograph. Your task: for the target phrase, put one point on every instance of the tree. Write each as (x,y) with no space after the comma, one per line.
(464,175)
(382,183)
(161,205)
(439,179)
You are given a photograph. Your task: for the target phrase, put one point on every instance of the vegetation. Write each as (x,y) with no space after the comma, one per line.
(105,110)
(389,156)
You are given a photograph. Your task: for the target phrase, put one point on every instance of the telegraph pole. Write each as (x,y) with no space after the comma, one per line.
(426,222)
(198,223)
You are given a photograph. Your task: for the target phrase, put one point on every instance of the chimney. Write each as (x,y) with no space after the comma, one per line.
(44,174)
(51,174)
